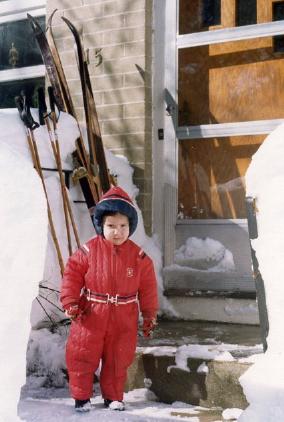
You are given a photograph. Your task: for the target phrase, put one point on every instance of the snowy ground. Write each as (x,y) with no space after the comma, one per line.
(46,405)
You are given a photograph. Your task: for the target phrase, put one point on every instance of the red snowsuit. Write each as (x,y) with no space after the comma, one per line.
(106,331)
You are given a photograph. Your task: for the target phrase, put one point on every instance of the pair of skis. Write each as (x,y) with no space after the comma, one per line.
(92,170)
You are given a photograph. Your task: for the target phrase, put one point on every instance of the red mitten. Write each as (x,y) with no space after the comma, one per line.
(72,312)
(149,325)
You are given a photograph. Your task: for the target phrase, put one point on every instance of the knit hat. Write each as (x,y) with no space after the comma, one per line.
(115,200)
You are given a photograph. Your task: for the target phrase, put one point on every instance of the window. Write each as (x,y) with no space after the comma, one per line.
(21,66)
(211,14)
(18,45)
(278,14)
(245,12)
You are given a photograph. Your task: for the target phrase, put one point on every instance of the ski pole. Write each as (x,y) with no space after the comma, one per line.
(30,125)
(43,119)
(57,155)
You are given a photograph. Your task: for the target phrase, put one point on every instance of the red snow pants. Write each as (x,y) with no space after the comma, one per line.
(106,333)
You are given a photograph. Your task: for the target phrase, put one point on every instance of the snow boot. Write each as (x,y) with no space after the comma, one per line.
(82,405)
(114,404)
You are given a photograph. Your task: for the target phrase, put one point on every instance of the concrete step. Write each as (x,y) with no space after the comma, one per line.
(196,363)
(220,309)
(211,296)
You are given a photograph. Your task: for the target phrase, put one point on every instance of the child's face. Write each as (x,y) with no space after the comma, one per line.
(116,228)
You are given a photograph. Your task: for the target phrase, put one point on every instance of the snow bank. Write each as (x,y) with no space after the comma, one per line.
(46,357)
(23,227)
(29,256)
(263,383)
(204,254)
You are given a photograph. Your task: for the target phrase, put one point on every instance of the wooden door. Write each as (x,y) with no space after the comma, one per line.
(224,83)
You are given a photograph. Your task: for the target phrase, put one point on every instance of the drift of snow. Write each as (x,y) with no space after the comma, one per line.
(141,406)
(204,254)
(23,227)
(231,414)
(21,199)
(263,383)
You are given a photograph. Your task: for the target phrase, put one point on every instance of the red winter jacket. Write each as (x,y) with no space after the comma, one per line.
(105,268)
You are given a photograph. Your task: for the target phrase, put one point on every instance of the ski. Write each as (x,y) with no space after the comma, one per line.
(59,69)
(56,75)
(49,62)
(80,172)
(62,98)
(97,154)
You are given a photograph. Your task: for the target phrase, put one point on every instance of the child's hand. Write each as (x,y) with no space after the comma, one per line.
(72,312)
(149,325)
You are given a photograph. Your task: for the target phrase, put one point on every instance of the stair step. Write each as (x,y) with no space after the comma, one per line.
(204,380)
(219,309)
(182,280)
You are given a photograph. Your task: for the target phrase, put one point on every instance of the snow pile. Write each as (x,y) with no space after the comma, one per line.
(46,357)
(46,307)
(29,257)
(12,128)
(263,383)
(204,254)
(141,405)
(219,352)
(232,414)
(23,227)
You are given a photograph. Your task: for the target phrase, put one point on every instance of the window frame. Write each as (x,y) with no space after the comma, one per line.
(15,10)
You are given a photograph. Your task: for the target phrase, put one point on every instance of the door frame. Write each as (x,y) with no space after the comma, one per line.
(167,42)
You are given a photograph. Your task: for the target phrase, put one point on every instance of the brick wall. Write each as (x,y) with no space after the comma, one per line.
(120,33)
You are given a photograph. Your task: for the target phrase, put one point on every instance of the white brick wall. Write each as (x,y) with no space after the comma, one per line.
(121,83)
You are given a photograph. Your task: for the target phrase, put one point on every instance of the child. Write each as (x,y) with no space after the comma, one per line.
(104,282)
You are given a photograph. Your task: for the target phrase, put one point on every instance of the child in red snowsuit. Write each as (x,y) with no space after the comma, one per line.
(105,283)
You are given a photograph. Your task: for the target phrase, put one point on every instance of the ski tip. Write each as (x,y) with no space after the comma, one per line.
(30,18)
(34,24)
(69,24)
(49,22)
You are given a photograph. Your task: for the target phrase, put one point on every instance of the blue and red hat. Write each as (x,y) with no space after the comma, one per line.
(115,200)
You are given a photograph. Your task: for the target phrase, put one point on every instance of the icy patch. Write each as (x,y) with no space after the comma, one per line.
(203,369)
(232,414)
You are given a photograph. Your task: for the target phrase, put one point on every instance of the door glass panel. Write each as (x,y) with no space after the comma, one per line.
(278,14)
(230,82)
(208,15)
(9,90)
(199,15)
(211,12)
(211,176)
(18,47)
(246,12)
